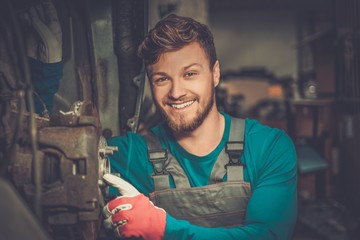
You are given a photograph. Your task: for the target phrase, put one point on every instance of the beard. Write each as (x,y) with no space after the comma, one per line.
(181,124)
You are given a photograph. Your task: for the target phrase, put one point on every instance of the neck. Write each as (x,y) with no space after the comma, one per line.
(206,137)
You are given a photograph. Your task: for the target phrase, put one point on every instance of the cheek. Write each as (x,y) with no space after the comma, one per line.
(206,90)
(159,94)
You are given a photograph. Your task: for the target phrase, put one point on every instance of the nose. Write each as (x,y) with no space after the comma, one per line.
(177,90)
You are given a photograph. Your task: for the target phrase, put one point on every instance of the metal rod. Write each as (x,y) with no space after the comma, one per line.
(357,53)
(25,72)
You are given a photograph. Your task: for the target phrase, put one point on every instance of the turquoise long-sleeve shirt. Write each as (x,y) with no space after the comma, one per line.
(45,78)
(271,169)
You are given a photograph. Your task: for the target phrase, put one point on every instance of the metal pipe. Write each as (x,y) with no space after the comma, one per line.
(28,91)
(128,34)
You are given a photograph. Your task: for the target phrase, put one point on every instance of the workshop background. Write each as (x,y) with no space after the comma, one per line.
(293,65)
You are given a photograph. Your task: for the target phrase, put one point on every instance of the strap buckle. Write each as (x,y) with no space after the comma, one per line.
(234,149)
(158,158)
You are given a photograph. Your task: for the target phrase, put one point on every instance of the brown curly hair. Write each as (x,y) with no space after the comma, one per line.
(173,33)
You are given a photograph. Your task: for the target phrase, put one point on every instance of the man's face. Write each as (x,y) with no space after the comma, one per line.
(183,87)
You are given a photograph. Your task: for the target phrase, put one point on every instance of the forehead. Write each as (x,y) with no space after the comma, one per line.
(170,61)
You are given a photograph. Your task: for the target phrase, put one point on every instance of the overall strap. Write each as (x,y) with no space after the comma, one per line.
(164,164)
(228,161)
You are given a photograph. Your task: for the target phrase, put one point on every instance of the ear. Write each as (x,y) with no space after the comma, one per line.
(216,73)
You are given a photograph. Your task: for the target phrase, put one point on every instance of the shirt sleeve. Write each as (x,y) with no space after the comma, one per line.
(130,161)
(272,208)
(45,79)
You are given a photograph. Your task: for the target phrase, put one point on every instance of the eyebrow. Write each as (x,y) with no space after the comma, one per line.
(184,69)
(193,64)
(157,73)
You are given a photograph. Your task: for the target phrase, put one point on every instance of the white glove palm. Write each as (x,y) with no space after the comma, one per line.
(124,188)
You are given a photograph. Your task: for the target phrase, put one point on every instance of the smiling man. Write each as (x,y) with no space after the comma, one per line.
(183,86)
(199,174)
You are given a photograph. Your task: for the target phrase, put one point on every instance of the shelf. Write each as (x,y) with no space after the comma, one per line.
(314,37)
(318,102)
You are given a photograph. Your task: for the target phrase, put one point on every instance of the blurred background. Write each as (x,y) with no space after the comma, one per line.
(291,64)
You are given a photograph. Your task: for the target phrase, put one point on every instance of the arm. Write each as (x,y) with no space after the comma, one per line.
(45,78)
(44,49)
(271,213)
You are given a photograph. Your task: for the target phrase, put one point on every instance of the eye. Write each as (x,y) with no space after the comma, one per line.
(160,80)
(190,74)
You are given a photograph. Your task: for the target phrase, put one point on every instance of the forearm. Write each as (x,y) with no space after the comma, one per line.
(180,229)
(271,214)
(45,78)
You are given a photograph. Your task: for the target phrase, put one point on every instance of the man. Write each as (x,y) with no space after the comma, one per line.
(218,177)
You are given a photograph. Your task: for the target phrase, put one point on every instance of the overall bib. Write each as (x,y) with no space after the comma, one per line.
(219,204)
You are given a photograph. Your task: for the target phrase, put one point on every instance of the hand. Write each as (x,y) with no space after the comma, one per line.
(133,214)
(43,33)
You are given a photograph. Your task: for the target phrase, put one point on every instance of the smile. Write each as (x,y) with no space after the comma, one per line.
(182,105)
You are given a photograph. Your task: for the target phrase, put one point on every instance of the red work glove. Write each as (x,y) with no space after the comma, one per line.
(133,214)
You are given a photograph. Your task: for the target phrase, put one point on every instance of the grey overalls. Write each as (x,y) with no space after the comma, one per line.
(217,204)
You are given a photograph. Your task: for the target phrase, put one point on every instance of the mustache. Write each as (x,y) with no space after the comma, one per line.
(170,99)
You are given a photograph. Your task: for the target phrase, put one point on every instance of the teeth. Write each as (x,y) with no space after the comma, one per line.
(179,106)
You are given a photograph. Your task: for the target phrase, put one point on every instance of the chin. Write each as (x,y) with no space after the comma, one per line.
(184,125)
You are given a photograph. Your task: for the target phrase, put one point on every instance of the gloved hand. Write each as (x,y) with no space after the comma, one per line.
(133,214)
(43,33)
